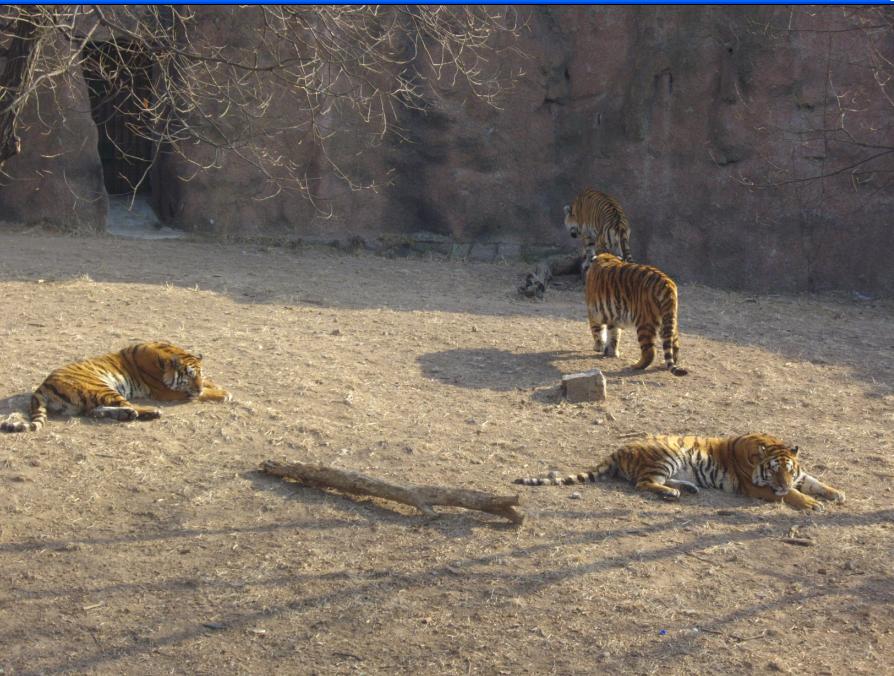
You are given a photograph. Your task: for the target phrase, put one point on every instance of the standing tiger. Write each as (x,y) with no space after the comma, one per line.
(620,293)
(600,222)
(755,465)
(101,387)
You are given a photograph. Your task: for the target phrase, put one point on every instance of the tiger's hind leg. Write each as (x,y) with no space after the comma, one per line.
(813,486)
(687,486)
(110,404)
(645,335)
(670,343)
(125,413)
(655,483)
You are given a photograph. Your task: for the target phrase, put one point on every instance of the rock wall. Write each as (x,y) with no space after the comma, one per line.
(705,122)
(680,112)
(57,177)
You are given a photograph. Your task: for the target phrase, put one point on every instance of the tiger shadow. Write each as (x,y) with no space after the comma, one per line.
(495,369)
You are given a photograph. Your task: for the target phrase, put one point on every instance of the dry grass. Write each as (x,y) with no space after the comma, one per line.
(155,547)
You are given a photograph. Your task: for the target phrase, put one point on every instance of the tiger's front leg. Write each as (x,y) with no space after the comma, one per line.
(813,486)
(211,392)
(795,498)
(614,340)
(599,334)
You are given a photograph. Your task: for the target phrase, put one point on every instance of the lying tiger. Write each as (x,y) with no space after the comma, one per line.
(756,465)
(101,387)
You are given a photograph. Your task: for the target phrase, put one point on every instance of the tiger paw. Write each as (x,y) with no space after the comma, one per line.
(815,505)
(836,496)
(149,414)
(611,351)
(600,347)
(671,495)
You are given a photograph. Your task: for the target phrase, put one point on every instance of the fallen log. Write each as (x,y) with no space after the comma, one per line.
(423,498)
(536,282)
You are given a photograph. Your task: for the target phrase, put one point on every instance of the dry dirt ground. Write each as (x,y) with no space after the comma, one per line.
(156,547)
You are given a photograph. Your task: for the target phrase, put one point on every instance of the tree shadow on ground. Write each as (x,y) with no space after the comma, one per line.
(493,570)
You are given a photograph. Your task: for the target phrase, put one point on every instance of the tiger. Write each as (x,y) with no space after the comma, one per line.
(601,224)
(101,387)
(620,293)
(755,465)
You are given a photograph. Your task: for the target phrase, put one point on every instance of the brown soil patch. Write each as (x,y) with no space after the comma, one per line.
(156,547)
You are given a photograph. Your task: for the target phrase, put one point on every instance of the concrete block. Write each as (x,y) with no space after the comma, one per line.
(586,386)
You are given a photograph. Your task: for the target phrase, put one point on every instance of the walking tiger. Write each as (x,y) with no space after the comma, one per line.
(620,293)
(600,223)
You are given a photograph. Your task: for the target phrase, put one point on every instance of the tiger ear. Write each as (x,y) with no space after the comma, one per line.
(756,456)
(794,450)
(199,356)
(567,209)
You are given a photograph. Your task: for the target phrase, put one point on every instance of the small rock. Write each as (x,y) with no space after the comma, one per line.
(335,332)
(585,386)
(575,495)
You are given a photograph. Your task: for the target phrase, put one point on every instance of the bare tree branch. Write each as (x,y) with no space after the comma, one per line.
(220,78)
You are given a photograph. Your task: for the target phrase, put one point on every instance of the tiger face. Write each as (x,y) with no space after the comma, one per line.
(183,373)
(777,468)
(571,224)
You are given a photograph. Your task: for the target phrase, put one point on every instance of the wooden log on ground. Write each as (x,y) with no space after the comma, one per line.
(537,282)
(423,498)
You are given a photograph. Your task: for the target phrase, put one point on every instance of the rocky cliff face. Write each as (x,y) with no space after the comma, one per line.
(678,112)
(57,178)
(704,122)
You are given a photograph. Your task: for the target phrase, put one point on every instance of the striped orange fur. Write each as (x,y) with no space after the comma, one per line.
(755,465)
(101,387)
(600,223)
(622,294)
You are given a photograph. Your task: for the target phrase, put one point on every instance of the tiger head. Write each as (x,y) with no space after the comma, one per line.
(181,371)
(775,465)
(571,223)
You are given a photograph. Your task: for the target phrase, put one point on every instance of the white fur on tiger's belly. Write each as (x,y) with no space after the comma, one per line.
(121,385)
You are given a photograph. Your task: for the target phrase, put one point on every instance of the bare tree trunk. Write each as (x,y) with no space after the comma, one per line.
(422,498)
(19,62)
